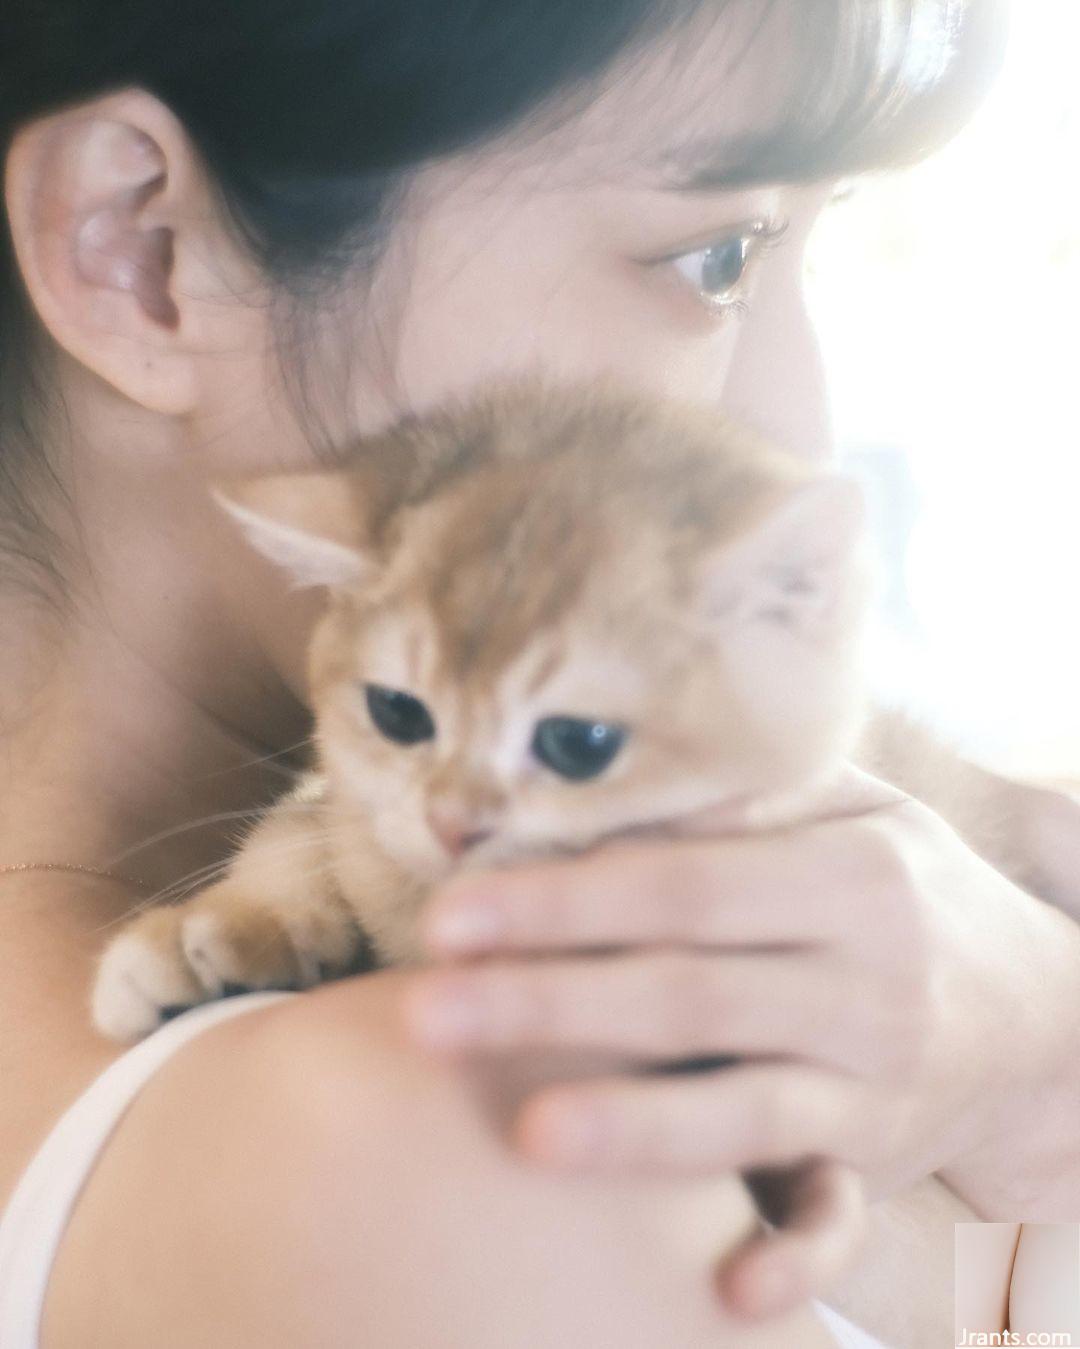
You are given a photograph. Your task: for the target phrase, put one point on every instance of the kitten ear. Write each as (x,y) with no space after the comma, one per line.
(793,567)
(308,523)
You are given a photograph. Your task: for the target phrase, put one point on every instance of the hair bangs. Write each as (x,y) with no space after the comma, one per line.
(874,85)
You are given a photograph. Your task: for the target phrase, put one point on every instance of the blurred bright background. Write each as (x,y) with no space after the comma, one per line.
(948,303)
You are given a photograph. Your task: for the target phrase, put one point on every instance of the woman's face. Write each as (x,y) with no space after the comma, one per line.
(573,253)
(698,296)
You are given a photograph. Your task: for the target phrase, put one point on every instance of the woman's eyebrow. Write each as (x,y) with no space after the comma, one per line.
(705,164)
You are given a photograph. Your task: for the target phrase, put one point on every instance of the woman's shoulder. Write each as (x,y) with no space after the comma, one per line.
(301,1168)
(210,1166)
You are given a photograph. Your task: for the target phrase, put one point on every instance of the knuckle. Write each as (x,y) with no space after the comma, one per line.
(914,984)
(885,872)
(659,1134)
(525,998)
(827,1017)
(554,919)
(881,857)
(914,1047)
(688,890)
(896,1048)
(768,1119)
(685,1006)
(670,1130)
(905,1021)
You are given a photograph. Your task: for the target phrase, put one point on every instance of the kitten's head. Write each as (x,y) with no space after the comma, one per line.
(559,612)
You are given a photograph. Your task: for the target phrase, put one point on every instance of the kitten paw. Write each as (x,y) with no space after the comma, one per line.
(217,944)
(234,950)
(140,974)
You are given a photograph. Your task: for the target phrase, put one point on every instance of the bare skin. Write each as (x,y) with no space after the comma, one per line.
(1043,1293)
(184,666)
(377,1173)
(186,662)
(984,1257)
(1018,1277)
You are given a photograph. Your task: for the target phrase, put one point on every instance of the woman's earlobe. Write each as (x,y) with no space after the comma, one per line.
(89,200)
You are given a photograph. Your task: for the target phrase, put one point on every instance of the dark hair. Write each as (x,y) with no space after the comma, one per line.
(311,115)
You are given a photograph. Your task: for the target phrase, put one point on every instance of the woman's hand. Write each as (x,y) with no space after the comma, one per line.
(1050,819)
(889,995)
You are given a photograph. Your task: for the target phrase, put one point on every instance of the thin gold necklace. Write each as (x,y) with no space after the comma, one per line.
(74,866)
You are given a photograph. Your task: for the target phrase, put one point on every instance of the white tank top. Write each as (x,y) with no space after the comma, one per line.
(38,1210)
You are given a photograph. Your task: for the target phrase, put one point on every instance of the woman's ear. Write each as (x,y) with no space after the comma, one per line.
(113,227)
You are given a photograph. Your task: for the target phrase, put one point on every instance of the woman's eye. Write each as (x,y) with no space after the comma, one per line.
(399,716)
(717,272)
(576,749)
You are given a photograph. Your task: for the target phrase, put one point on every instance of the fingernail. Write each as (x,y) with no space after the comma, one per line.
(467,926)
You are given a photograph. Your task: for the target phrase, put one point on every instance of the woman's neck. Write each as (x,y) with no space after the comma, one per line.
(151,698)
(107,744)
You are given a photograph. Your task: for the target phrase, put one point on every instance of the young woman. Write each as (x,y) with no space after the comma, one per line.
(237,235)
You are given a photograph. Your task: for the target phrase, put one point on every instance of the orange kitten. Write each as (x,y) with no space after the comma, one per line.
(554,614)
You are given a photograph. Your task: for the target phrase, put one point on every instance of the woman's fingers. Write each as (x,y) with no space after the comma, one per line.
(819,1216)
(709,891)
(791,886)
(730,1119)
(659,1005)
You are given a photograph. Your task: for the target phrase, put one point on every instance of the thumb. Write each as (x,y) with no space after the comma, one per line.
(820,1211)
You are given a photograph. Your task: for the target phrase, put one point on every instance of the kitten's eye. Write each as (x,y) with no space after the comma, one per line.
(399,716)
(576,749)
(717,272)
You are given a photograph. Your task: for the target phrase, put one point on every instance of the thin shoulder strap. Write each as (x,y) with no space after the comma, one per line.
(38,1210)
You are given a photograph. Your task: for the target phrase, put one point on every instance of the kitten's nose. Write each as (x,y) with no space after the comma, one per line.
(454,829)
